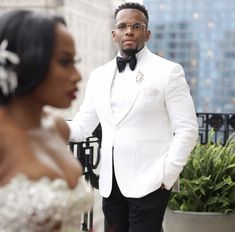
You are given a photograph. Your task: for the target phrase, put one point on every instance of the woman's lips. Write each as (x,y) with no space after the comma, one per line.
(72,94)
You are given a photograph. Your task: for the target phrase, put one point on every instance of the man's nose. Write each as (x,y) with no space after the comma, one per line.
(129,29)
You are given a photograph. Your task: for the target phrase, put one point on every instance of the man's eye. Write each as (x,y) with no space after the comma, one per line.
(121,26)
(137,26)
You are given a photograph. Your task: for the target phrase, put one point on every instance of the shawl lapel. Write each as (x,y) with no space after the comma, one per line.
(140,78)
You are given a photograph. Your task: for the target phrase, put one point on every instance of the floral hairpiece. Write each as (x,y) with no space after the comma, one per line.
(8,77)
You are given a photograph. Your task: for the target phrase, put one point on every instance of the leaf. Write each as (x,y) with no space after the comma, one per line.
(207,182)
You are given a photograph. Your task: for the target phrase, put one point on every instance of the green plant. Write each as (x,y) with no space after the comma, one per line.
(207,183)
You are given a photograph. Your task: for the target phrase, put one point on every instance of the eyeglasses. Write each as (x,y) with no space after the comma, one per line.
(134,26)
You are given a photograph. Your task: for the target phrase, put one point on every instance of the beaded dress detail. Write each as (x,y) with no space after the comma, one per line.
(44,205)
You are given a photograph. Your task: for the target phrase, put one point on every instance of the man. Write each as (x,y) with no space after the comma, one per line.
(149,126)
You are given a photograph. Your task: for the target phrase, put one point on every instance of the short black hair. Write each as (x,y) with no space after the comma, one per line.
(132,5)
(30,35)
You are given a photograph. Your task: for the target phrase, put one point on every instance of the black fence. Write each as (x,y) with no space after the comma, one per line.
(223,124)
(88,152)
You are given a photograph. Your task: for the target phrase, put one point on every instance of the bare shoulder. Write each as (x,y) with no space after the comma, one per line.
(14,148)
(58,122)
(33,152)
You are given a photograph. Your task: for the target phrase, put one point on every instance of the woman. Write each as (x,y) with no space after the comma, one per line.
(41,188)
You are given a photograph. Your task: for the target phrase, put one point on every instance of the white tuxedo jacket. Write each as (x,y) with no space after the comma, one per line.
(155,134)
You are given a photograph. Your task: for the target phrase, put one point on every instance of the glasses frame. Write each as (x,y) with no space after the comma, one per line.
(132,26)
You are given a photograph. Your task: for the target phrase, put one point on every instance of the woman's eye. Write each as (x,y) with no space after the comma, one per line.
(66,62)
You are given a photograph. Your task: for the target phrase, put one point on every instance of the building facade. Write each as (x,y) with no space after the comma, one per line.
(200,35)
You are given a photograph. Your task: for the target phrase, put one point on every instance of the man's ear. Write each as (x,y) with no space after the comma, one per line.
(113,36)
(148,34)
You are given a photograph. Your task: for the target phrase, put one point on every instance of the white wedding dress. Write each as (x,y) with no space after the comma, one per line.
(44,205)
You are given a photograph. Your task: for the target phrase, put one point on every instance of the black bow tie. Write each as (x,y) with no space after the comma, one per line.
(121,63)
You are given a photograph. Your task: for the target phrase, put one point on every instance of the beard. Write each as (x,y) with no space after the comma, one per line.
(130,51)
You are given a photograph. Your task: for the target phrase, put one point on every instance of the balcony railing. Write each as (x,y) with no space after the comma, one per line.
(88,152)
(223,124)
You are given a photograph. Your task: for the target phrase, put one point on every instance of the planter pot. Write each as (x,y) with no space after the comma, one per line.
(182,221)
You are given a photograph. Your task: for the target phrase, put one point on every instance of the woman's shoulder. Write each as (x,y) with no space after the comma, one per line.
(17,154)
(13,148)
(56,122)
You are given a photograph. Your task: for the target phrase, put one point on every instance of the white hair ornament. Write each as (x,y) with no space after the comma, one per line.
(8,77)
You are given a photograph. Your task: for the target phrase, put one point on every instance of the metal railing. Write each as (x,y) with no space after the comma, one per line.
(223,124)
(88,152)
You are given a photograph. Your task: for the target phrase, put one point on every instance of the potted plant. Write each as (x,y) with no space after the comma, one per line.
(206,200)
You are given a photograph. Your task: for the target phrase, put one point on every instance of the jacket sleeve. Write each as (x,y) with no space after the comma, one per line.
(183,120)
(86,120)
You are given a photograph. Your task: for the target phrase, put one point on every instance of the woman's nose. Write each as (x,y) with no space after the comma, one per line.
(76,75)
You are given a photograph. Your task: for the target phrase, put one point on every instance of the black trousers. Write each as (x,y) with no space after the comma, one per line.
(145,214)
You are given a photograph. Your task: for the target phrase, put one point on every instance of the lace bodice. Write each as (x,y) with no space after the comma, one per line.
(43,206)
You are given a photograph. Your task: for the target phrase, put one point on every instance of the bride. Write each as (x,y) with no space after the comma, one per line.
(41,187)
